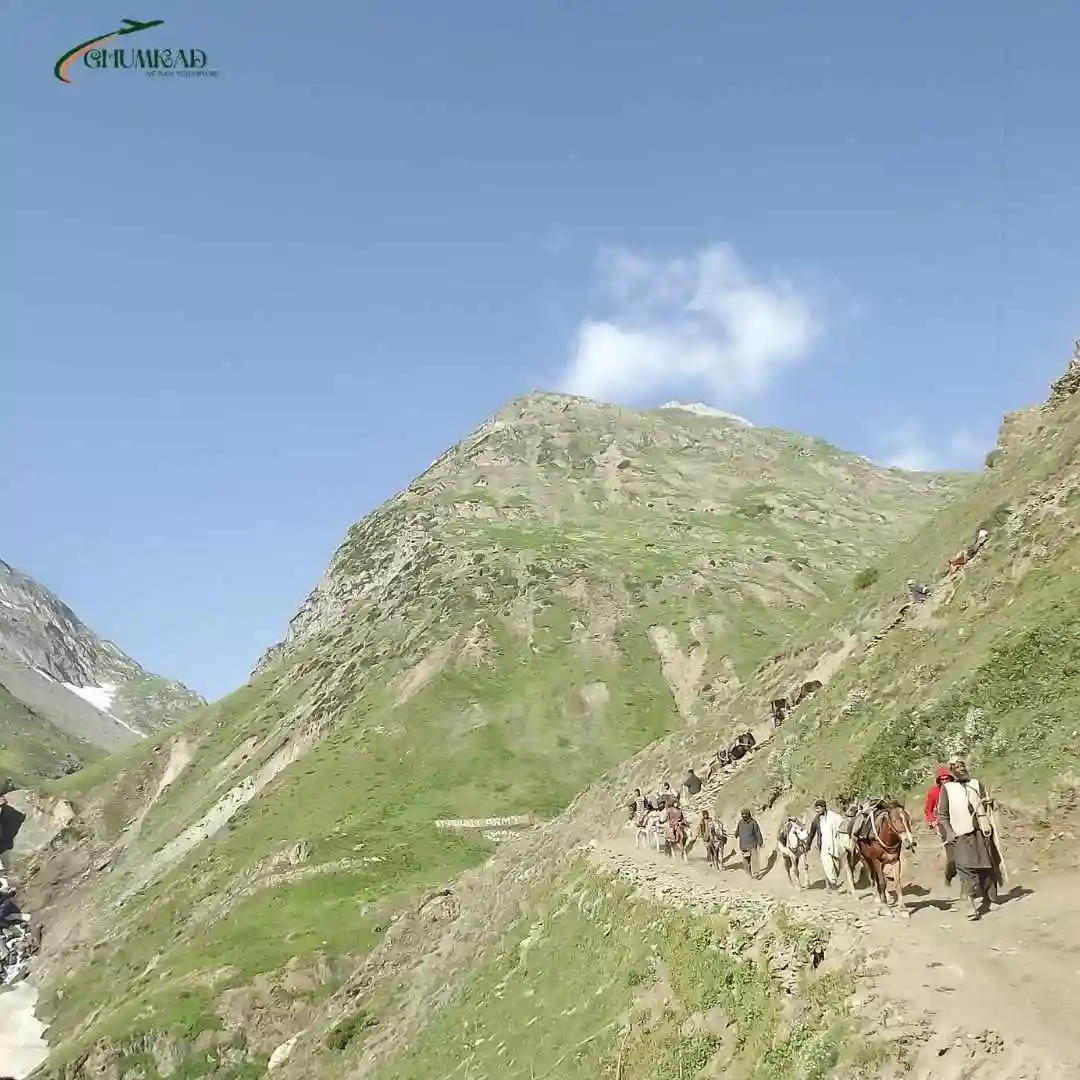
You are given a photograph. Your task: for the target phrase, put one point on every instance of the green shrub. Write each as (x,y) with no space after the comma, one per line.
(865,578)
(345,1031)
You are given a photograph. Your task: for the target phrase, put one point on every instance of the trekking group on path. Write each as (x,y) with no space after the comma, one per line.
(957,808)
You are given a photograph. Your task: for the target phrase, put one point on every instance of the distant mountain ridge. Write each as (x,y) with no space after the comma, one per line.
(74,684)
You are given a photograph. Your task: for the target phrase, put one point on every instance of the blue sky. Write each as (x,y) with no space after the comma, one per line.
(242,311)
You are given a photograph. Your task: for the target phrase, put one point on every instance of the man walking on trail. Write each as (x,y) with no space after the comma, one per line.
(748,834)
(930,812)
(966,829)
(960,771)
(933,797)
(825,829)
(692,783)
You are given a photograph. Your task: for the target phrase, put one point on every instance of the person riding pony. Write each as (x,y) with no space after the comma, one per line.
(674,826)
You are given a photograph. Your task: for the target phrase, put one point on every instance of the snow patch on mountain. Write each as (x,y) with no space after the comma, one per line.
(699,408)
(101,697)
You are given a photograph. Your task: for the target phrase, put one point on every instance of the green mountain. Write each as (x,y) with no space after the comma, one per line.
(31,747)
(568,585)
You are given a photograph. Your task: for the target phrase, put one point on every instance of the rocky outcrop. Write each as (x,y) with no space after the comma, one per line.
(78,682)
(46,818)
(1016,427)
(1069,383)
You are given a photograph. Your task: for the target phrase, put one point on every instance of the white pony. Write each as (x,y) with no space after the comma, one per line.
(793,843)
(649,831)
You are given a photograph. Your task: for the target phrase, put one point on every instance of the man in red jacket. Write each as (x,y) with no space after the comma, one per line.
(933,797)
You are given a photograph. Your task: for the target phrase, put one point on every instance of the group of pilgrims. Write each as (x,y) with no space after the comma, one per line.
(957,809)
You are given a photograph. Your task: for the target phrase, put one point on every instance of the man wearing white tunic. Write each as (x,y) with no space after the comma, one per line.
(966,826)
(825,830)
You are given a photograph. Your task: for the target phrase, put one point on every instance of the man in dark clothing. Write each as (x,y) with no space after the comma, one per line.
(965,827)
(748,834)
(692,783)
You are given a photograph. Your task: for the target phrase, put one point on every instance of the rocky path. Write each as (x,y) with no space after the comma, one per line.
(999,999)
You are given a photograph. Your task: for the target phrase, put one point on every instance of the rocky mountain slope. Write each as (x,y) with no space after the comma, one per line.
(986,667)
(658,506)
(568,584)
(66,692)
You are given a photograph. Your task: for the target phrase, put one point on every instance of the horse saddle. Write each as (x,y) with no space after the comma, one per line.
(862,825)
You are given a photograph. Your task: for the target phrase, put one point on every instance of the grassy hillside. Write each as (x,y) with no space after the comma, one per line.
(582,981)
(568,585)
(988,668)
(31,748)
(654,991)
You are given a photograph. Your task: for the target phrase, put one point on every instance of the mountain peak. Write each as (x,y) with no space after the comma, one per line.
(68,688)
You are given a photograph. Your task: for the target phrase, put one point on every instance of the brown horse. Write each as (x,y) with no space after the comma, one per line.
(959,561)
(891,835)
(715,838)
(677,838)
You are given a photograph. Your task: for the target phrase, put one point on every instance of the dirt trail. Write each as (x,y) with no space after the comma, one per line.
(1001,994)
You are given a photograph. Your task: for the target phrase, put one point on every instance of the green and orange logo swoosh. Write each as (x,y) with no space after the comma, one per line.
(60,70)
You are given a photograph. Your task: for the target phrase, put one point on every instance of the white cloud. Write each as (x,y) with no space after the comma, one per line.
(703,322)
(907,447)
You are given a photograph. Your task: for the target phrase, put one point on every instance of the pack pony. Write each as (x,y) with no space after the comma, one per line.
(879,846)
(793,843)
